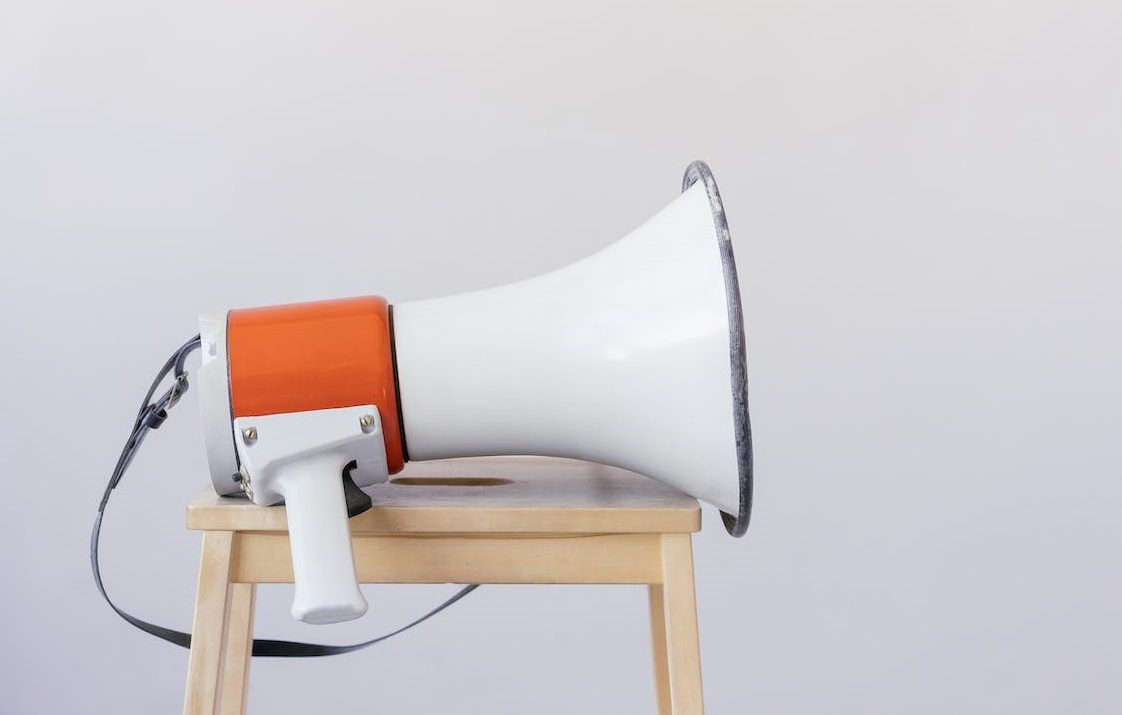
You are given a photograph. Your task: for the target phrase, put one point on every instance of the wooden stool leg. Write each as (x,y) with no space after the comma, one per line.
(204,665)
(658,646)
(239,650)
(679,612)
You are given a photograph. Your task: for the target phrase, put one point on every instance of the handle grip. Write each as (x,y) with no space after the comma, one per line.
(323,563)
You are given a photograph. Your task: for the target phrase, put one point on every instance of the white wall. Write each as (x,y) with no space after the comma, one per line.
(924,200)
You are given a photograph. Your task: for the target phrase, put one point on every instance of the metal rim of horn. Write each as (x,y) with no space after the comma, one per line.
(736,524)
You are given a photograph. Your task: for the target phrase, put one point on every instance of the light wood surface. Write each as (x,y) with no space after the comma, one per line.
(239,649)
(496,495)
(505,520)
(607,558)
(212,611)
(679,613)
(659,649)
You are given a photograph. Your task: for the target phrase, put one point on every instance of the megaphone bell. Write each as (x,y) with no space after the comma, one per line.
(633,357)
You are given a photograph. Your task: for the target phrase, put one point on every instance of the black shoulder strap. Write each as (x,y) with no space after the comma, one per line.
(152,414)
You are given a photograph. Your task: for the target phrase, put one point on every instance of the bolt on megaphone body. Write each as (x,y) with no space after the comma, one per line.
(633,357)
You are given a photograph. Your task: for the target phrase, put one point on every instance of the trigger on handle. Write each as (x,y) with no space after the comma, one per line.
(358,501)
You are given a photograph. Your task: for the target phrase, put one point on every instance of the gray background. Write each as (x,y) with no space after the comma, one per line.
(924,199)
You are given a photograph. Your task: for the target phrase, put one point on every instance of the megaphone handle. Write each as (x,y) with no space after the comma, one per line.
(323,564)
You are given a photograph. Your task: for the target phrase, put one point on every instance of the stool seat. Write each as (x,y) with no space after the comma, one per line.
(488,495)
(484,520)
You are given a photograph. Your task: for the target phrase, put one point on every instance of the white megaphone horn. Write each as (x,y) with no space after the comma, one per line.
(633,357)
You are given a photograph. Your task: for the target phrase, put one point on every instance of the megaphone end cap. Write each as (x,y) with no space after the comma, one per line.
(737,524)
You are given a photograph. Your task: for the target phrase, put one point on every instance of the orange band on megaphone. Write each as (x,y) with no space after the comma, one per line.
(316,356)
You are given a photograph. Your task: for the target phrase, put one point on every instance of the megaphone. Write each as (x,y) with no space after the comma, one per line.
(633,357)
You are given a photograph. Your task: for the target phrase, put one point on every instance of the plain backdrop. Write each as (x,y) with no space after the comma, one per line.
(925,204)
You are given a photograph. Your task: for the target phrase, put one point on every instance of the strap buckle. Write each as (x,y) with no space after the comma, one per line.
(177,390)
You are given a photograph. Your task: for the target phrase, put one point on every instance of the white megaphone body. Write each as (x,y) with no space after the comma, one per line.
(633,357)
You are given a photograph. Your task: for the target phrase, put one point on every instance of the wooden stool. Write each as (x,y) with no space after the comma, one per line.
(502,520)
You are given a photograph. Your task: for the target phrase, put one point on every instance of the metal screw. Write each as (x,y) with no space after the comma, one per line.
(242,478)
(249,434)
(367,423)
